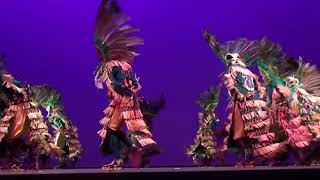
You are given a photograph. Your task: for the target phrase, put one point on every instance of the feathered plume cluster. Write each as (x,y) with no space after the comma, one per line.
(113,38)
(278,64)
(50,99)
(310,78)
(249,50)
(3,69)
(208,100)
(45,95)
(204,148)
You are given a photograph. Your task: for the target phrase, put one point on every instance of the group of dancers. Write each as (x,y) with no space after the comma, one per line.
(270,120)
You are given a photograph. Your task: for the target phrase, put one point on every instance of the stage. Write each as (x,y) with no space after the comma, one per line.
(293,172)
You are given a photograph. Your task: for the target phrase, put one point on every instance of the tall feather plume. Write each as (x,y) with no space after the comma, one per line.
(249,50)
(283,65)
(208,100)
(42,93)
(310,78)
(204,149)
(3,69)
(45,96)
(113,38)
(275,62)
(215,45)
(288,66)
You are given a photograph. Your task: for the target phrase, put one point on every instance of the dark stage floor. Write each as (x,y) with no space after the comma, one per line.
(294,172)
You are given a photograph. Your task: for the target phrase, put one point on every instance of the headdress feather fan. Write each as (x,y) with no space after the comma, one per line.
(249,50)
(309,77)
(114,39)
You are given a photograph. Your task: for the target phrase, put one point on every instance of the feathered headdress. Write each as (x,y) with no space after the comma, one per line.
(309,77)
(249,51)
(46,95)
(208,100)
(113,38)
(276,64)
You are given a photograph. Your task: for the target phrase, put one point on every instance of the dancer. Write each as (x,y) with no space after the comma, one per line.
(294,90)
(22,119)
(250,120)
(23,131)
(115,44)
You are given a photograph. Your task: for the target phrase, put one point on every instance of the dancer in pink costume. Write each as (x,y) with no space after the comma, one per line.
(115,44)
(250,120)
(293,93)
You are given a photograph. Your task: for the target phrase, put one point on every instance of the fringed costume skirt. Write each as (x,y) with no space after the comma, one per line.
(250,119)
(126,110)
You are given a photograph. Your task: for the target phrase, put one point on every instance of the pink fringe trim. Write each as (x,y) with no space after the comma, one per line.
(302,144)
(108,111)
(227,128)
(128,115)
(102,133)
(247,104)
(266,151)
(104,121)
(263,114)
(259,114)
(4,129)
(300,137)
(146,131)
(296,122)
(258,125)
(7,118)
(260,103)
(266,137)
(146,141)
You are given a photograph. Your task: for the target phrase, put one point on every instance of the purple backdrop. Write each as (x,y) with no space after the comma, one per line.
(51,42)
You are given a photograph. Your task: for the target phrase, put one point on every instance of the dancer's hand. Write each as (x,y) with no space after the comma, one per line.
(136,89)
(7,78)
